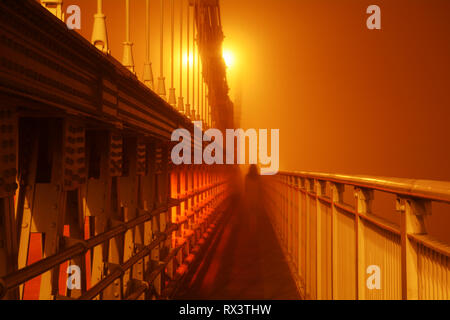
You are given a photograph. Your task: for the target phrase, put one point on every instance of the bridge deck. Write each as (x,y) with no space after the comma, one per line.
(244,261)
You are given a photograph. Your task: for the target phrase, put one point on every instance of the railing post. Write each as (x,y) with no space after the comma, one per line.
(364,199)
(301,257)
(9,219)
(412,222)
(309,186)
(283,216)
(337,191)
(296,225)
(320,191)
(281,213)
(128,188)
(290,214)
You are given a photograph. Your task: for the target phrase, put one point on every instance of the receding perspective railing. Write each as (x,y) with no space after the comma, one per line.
(177,229)
(339,249)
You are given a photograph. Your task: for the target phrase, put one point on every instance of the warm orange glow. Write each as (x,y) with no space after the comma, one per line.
(185,59)
(228,56)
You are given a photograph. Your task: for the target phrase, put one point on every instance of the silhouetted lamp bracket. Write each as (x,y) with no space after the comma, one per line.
(99,33)
(172,97)
(148,75)
(55,7)
(162,87)
(128,60)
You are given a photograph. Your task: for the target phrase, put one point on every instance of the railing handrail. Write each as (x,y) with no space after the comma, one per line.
(330,241)
(426,189)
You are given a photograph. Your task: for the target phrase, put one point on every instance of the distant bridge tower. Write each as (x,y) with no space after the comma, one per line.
(55,7)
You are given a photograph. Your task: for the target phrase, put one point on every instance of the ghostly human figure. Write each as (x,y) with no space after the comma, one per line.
(252,196)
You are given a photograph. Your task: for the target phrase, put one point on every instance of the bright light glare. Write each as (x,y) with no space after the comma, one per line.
(228,56)
(185,59)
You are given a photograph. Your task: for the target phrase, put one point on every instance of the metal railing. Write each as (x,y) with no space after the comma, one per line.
(340,249)
(192,204)
(85,175)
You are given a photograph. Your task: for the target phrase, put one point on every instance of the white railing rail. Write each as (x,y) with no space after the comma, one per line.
(340,249)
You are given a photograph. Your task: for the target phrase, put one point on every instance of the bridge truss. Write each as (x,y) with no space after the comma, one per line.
(86,178)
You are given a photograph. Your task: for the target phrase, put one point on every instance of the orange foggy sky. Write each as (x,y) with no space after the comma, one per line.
(346,99)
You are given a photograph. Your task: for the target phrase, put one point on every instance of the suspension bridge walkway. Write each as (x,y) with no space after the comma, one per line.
(92,207)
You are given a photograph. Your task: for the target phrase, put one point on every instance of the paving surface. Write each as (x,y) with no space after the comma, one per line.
(245,260)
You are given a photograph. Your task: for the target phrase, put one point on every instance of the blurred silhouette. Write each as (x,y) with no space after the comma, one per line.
(244,260)
(252,197)
(252,189)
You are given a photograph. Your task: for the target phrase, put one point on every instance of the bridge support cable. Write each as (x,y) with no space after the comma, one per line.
(180,104)
(147,77)
(188,60)
(172,96)
(128,60)
(194,60)
(161,79)
(207,61)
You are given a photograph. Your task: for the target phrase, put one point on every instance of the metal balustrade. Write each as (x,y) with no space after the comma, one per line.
(85,176)
(330,243)
(194,200)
